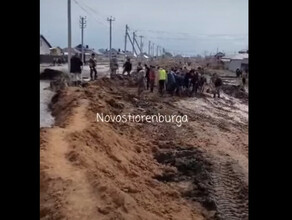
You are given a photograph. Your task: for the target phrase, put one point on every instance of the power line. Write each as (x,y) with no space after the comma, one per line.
(89,13)
(180,33)
(80,6)
(95,11)
(140,47)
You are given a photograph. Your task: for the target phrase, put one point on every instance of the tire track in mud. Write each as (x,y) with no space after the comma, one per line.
(229,192)
(209,179)
(215,184)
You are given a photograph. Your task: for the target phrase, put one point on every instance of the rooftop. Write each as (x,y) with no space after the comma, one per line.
(47,42)
(239,56)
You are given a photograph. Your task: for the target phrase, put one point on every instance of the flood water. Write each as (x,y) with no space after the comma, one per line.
(46,119)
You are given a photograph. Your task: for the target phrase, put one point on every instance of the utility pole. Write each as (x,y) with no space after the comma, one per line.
(141,43)
(135,41)
(111,19)
(126,34)
(141,47)
(134,51)
(157,50)
(69,35)
(82,26)
(149,46)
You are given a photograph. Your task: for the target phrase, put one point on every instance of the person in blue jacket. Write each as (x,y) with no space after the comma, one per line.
(171,83)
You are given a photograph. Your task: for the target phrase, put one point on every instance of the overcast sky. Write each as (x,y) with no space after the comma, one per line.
(182,26)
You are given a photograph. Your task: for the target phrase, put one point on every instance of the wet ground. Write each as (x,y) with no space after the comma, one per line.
(46,119)
(210,153)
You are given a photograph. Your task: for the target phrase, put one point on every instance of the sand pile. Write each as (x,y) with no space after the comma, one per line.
(92,170)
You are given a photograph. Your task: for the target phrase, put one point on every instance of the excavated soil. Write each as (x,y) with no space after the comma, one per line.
(95,170)
(235,91)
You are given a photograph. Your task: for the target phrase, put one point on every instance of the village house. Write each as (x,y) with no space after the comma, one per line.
(87,51)
(78,50)
(243,51)
(114,52)
(238,61)
(219,55)
(73,51)
(44,46)
(56,51)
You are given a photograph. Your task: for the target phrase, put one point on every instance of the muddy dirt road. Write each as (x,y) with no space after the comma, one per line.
(92,170)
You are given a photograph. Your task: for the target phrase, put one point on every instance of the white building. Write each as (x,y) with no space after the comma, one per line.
(44,46)
(238,61)
(73,51)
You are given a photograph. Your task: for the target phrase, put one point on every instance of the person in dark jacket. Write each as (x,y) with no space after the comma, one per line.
(195,82)
(75,69)
(218,84)
(179,82)
(147,69)
(244,77)
(139,67)
(127,66)
(187,77)
(171,83)
(59,61)
(237,72)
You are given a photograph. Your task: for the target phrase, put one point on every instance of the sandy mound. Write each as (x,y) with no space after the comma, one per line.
(92,170)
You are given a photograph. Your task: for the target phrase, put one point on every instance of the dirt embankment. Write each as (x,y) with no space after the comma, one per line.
(50,74)
(95,170)
(236,91)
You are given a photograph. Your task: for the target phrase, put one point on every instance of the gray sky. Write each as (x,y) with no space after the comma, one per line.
(181,26)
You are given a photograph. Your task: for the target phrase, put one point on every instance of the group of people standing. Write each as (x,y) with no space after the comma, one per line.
(147,74)
(76,68)
(179,81)
(58,61)
(182,81)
